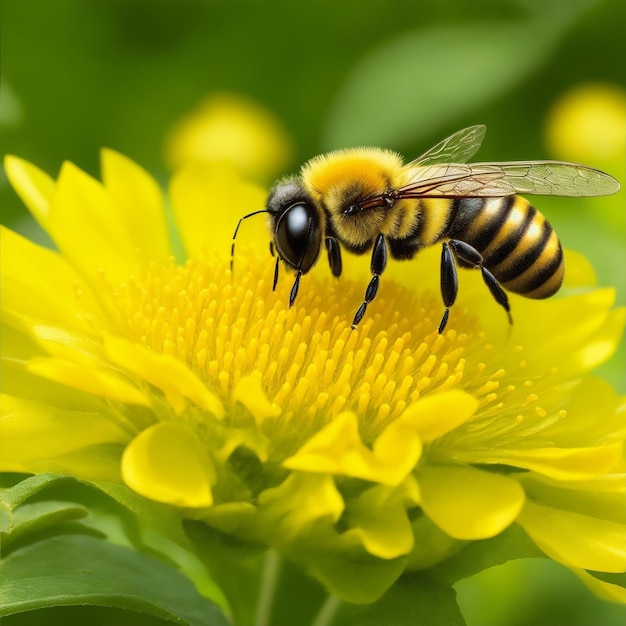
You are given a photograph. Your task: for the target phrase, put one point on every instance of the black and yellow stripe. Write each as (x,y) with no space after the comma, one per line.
(518,245)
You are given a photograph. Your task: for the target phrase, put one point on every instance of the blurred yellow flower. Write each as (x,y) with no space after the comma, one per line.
(227,128)
(587,124)
(357,454)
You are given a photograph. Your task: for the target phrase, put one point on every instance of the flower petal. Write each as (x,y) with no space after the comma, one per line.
(298,502)
(168,464)
(249,391)
(435,415)
(94,379)
(33,186)
(39,283)
(167,373)
(39,437)
(379,518)
(602,497)
(559,463)
(199,197)
(588,343)
(576,540)
(88,227)
(139,201)
(604,590)
(337,449)
(468,503)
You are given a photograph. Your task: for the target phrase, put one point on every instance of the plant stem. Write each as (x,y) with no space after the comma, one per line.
(327,612)
(267,592)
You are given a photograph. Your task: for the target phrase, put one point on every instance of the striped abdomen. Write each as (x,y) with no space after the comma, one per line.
(518,245)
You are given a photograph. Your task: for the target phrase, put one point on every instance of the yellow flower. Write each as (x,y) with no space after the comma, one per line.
(587,124)
(357,454)
(227,128)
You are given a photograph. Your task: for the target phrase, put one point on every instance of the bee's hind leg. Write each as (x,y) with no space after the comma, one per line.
(449,283)
(470,256)
(377,265)
(497,292)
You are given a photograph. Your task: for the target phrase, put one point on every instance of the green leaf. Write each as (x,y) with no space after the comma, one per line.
(23,521)
(164,518)
(477,556)
(413,599)
(422,81)
(77,570)
(15,494)
(618,579)
(30,519)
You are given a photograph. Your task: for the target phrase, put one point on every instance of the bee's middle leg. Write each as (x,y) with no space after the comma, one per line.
(377,265)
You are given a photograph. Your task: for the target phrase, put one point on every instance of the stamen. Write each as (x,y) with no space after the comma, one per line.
(310,363)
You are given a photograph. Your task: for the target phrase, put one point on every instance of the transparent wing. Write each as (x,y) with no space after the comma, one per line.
(548,178)
(458,148)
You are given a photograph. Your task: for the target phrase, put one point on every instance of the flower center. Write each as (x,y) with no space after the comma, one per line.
(309,361)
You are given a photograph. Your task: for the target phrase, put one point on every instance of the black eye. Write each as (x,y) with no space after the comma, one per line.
(298,237)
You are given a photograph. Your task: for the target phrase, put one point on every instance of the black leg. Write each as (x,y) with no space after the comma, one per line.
(497,292)
(449,283)
(473,258)
(377,265)
(334,256)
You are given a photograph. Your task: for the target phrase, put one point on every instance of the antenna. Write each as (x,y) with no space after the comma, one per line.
(232,245)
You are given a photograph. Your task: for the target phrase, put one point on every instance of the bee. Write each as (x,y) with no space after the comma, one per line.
(367,200)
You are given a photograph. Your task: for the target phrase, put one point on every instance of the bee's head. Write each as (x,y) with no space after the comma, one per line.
(296,224)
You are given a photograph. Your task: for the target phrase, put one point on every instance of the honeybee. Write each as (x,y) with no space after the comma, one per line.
(368,200)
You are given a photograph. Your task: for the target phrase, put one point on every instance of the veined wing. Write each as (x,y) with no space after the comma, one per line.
(458,148)
(548,178)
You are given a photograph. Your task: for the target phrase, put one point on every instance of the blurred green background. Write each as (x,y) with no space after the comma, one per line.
(77,75)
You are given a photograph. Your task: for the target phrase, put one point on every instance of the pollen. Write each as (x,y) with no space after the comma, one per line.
(311,365)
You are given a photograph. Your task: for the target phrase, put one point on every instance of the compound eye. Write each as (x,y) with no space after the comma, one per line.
(298,236)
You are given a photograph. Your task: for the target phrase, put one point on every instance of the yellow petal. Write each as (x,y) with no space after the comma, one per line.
(603,497)
(249,391)
(398,448)
(96,380)
(67,344)
(558,463)
(587,343)
(173,377)
(605,591)
(580,272)
(595,416)
(467,503)
(88,227)
(39,284)
(337,449)
(207,204)
(435,415)
(576,540)
(169,464)
(33,186)
(379,518)
(138,200)
(40,437)
(288,510)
